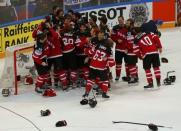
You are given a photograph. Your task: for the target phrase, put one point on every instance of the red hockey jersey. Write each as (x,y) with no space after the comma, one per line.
(55,43)
(119,33)
(132,49)
(101,57)
(148,44)
(41,52)
(81,43)
(68,42)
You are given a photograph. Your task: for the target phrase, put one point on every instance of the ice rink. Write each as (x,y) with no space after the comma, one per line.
(126,103)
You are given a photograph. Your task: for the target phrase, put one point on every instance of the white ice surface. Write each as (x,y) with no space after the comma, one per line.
(161,106)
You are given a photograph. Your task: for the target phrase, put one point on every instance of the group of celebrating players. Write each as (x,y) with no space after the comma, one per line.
(72,48)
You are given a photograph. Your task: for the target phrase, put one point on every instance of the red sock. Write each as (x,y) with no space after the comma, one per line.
(85,73)
(132,70)
(157,72)
(104,86)
(56,76)
(63,78)
(41,80)
(73,76)
(149,76)
(89,85)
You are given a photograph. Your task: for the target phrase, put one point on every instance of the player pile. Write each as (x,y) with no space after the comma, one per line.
(79,52)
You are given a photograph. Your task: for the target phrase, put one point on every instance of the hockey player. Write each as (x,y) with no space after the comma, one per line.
(118,35)
(104,27)
(69,57)
(92,22)
(131,51)
(70,13)
(41,27)
(94,37)
(54,14)
(149,49)
(59,18)
(101,57)
(40,54)
(76,21)
(150,26)
(55,58)
(82,43)
(93,41)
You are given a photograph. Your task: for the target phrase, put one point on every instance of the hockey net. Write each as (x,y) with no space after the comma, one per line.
(18,64)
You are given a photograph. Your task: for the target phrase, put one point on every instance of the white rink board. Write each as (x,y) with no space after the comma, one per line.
(112,13)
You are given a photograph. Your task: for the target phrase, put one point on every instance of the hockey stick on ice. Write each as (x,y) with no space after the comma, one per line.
(38,129)
(115,122)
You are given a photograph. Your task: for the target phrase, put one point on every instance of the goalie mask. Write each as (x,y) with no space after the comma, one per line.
(28,80)
(170,78)
(5,92)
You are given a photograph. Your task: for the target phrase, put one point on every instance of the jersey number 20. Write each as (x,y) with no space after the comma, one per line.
(68,41)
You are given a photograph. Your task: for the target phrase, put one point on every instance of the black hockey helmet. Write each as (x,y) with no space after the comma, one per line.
(61,123)
(164,60)
(84,102)
(45,113)
(92,103)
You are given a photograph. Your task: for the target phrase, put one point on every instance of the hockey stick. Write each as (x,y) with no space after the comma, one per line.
(38,129)
(115,122)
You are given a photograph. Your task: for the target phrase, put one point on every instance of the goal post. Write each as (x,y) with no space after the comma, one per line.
(18,63)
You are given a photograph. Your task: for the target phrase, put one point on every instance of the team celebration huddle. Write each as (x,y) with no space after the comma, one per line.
(72,51)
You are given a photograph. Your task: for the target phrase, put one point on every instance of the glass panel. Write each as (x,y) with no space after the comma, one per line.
(42,7)
(14,10)
(90,3)
(9,10)
(108,1)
